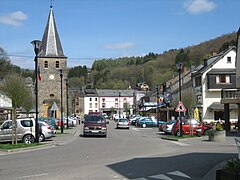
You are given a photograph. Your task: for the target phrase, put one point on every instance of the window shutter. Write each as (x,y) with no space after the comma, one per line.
(217,79)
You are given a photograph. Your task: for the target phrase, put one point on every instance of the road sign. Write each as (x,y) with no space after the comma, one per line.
(180,107)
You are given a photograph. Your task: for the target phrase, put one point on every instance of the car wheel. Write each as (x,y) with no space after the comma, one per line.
(41,138)
(28,139)
(178,133)
(144,125)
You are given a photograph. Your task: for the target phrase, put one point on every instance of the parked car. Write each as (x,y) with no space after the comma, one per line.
(25,130)
(167,127)
(145,122)
(122,123)
(190,126)
(47,131)
(133,120)
(161,125)
(51,122)
(95,125)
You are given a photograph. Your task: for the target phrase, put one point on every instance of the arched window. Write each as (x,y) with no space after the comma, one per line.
(45,64)
(57,64)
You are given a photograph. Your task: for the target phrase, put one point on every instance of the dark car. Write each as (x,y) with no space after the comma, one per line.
(95,125)
(145,122)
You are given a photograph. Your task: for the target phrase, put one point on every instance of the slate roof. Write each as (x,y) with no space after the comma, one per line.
(114,93)
(51,44)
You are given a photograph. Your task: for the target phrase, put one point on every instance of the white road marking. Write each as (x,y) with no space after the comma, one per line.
(140,179)
(161,176)
(140,129)
(178,173)
(31,176)
(179,143)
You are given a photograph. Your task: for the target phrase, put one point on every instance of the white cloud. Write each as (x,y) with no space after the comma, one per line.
(124,45)
(199,6)
(13,19)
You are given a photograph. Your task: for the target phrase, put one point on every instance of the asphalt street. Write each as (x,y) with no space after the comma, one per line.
(125,154)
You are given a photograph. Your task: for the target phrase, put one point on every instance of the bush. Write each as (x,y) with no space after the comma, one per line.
(233,166)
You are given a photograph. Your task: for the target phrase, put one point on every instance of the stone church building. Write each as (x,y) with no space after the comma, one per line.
(51,62)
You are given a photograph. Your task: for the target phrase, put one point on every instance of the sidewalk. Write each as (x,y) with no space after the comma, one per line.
(68,135)
(211,175)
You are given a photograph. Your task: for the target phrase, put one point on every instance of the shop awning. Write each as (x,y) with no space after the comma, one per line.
(218,106)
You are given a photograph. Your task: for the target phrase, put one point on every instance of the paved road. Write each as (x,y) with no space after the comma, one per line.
(124,154)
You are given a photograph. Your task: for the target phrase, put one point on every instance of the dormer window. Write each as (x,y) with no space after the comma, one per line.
(229,60)
(57,64)
(46,64)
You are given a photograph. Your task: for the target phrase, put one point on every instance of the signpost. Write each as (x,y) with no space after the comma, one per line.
(180,108)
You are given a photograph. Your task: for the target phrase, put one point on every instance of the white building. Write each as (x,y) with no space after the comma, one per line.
(218,72)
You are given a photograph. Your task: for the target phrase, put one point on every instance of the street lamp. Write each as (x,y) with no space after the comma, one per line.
(61,76)
(119,95)
(157,110)
(36,44)
(179,67)
(67,99)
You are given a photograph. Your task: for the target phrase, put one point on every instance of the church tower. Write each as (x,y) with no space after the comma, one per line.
(51,62)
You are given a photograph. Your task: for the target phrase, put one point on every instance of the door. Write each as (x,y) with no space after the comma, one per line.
(6,131)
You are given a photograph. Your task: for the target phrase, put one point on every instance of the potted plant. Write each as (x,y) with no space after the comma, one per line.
(231,171)
(217,133)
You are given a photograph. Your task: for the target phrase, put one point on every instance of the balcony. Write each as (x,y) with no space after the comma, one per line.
(231,96)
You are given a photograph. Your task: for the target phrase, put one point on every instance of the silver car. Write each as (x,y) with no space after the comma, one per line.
(47,131)
(122,123)
(25,130)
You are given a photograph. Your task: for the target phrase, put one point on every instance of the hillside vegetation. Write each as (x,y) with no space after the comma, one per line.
(126,72)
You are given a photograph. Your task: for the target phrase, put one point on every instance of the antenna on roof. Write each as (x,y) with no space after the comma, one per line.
(51,3)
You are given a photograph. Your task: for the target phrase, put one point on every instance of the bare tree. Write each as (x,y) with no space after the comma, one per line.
(15,88)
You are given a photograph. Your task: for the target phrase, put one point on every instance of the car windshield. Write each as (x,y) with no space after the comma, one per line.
(95,119)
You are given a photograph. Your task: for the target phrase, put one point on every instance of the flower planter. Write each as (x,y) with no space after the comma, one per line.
(217,136)
(226,175)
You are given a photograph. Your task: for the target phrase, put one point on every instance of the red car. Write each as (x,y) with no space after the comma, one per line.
(188,126)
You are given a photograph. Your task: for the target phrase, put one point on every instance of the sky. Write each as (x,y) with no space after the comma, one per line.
(95,29)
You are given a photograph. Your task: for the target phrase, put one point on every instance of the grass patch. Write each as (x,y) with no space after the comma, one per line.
(17,146)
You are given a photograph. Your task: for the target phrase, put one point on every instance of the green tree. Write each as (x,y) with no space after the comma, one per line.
(14,87)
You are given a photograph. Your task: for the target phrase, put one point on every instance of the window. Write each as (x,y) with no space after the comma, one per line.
(7,125)
(103,99)
(57,64)
(116,105)
(103,105)
(90,99)
(77,103)
(229,60)
(116,99)
(27,123)
(95,99)
(222,79)
(96,106)
(90,105)
(45,64)
(198,81)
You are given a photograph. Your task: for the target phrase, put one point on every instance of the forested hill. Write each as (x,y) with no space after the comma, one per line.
(153,69)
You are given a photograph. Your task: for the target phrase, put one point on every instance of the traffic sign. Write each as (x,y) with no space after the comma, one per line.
(180,107)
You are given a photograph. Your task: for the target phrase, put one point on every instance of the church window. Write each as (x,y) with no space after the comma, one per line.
(45,64)
(57,64)
(51,95)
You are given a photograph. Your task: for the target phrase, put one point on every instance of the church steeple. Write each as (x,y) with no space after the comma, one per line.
(51,44)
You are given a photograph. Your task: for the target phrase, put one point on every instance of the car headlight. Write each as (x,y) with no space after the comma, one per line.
(104,128)
(86,127)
